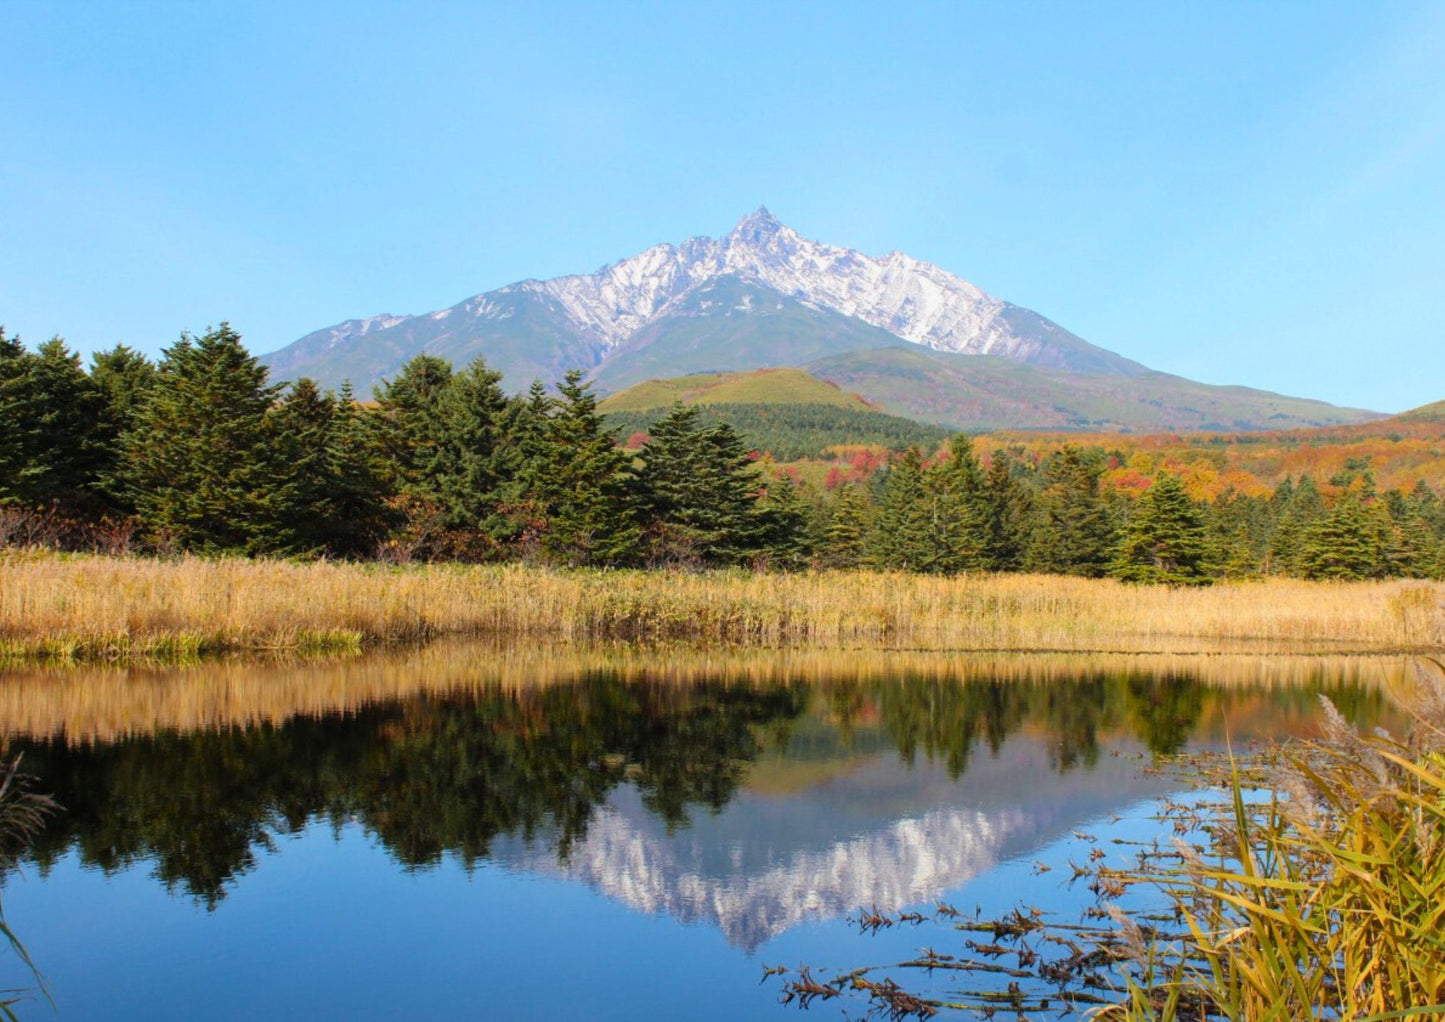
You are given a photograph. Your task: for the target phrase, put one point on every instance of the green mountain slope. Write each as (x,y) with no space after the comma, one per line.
(730,325)
(783,411)
(759,387)
(793,431)
(980,392)
(524,335)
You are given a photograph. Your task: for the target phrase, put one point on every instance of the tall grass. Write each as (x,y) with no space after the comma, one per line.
(1328,902)
(94,607)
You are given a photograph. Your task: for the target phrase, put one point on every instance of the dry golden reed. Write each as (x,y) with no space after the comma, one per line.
(92,607)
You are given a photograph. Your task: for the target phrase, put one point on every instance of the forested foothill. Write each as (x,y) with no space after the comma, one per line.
(200,452)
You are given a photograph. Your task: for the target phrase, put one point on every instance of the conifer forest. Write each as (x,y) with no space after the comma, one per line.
(200,452)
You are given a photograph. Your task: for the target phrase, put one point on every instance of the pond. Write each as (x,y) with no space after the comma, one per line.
(466,831)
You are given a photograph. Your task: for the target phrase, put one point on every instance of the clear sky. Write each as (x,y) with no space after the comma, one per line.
(1236,192)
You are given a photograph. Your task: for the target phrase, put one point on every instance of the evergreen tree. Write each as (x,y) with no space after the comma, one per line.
(411,426)
(58,445)
(200,461)
(1074,531)
(785,520)
(579,487)
(300,429)
(522,504)
(1343,544)
(1164,540)
(18,413)
(903,536)
(1008,515)
(1301,509)
(124,378)
(849,525)
(697,491)
(958,510)
(1241,528)
(359,492)
(1425,505)
(479,456)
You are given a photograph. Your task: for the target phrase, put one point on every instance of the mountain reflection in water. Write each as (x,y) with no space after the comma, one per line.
(750,795)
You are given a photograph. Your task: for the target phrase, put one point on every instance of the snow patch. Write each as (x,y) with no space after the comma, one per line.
(913,300)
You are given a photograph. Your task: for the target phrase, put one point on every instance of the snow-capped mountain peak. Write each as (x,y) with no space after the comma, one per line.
(913,300)
(757,227)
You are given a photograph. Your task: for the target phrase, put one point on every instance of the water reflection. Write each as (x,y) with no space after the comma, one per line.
(745,792)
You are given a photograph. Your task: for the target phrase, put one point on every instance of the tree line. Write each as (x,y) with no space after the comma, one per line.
(200,452)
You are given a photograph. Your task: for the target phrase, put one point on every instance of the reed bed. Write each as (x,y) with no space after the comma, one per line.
(94,607)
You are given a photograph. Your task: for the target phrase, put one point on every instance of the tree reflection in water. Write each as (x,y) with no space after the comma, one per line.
(432,775)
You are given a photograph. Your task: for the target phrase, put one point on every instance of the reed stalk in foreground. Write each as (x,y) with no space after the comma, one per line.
(1328,902)
(22,813)
(94,607)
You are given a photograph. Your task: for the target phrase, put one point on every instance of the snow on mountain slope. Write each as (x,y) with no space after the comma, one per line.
(913,300)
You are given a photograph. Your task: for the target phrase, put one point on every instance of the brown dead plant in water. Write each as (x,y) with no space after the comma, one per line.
(22,814)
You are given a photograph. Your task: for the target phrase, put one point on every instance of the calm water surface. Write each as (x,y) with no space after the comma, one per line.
(464,832)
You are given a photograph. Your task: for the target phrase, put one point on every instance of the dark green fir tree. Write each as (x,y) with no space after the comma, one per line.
(201,461)
(580,484)
(1165,540)
(1074,530)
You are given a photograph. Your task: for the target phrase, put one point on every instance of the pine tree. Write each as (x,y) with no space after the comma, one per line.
(411,426)
(849,526)
(903,536)
(1074,530)
(124,378)
(58,444)
(1009,509)
(18,412)
(1300,511)
(1344,544)
(697,491)
(359,492)
(479,456)
(958,510)
(200,461)
(785,520)
(580,484)
(300,428)
(1164,540)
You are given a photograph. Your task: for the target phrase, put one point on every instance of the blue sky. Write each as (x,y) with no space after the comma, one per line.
(1241,193)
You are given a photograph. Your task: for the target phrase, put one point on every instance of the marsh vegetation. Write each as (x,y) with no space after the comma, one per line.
(90,607)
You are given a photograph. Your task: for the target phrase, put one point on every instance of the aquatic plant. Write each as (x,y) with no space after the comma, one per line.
(22,813)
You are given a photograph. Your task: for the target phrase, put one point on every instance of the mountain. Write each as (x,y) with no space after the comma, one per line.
(763,295)
(987,392)
(1434,412)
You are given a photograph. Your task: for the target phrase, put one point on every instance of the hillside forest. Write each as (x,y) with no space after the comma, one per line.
(200,452)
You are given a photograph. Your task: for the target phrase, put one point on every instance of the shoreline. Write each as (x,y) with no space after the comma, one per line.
(93,608)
